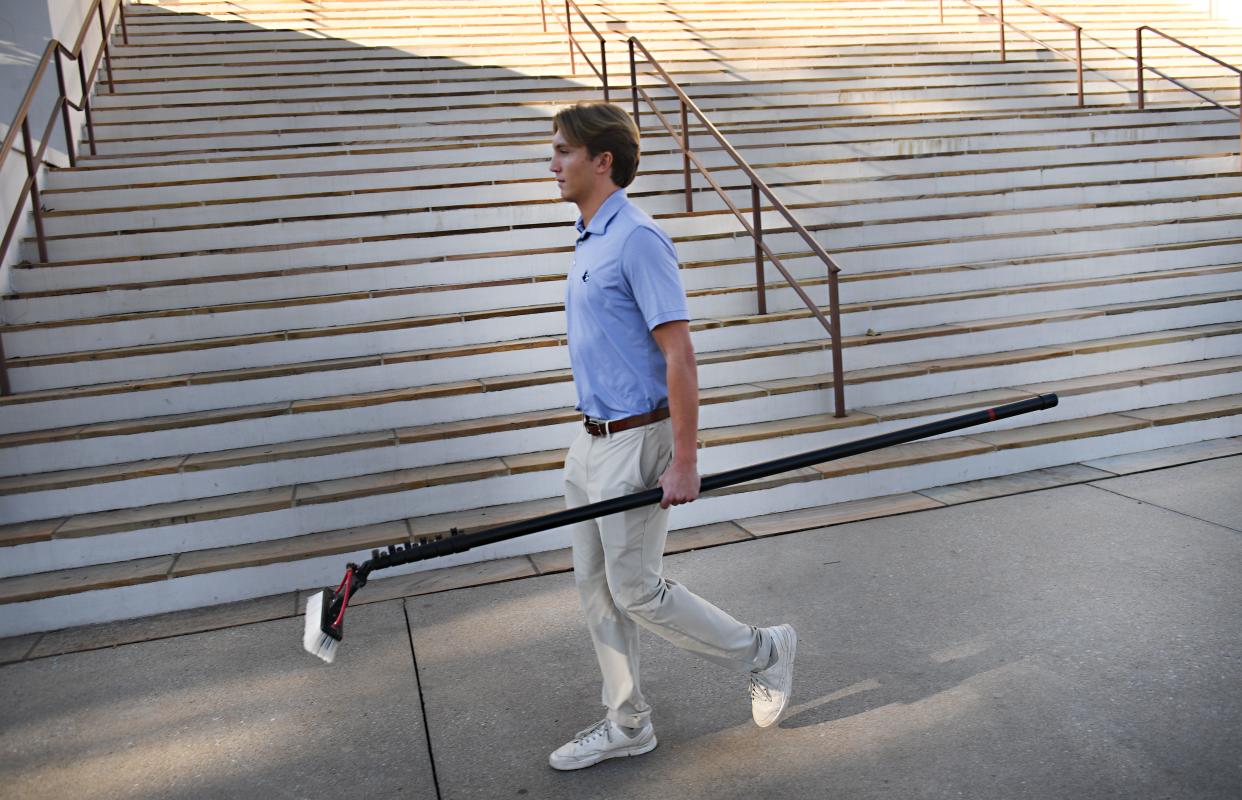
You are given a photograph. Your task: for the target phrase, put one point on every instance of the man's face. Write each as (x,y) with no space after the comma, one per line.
(577,174)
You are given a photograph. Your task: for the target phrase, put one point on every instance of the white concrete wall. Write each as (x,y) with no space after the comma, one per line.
(26,26)
(1229,10)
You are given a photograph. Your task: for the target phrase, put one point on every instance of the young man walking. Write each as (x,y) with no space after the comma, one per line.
(637,384)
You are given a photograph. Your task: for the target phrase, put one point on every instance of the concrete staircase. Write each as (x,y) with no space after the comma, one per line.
(306,301)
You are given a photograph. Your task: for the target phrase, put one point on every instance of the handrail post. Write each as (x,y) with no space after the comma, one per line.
(634,85)
(103,42)
(1138,33)
(569,33)
(1240,116)
(125,29)
(685,156)
(1002,29)
(838,366)
(543,15)
(70,148)
(603,67)
(32,170)
(86,103)
(1078,43)
(760,283)
(5,388)
(941,12)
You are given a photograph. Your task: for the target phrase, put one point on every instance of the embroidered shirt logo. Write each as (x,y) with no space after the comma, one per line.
(586,276)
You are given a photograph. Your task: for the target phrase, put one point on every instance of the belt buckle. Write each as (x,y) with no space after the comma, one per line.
(597,427)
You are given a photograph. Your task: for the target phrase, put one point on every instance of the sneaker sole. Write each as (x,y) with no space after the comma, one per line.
(637,750)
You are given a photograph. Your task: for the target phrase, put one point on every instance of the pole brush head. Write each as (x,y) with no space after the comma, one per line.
(320,637)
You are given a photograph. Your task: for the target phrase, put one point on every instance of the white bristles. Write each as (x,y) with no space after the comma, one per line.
(314,640)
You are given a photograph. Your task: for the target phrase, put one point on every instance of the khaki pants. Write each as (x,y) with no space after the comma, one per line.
(618,569)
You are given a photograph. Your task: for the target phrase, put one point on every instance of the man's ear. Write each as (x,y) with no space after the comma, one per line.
(603,163)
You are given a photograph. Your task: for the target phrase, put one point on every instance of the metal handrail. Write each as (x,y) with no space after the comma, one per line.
(1077,59)
(754,228)
(567,24)
(21,123)
(1138,33)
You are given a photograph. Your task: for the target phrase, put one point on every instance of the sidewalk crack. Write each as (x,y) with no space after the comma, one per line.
(422,704)
(1164,508)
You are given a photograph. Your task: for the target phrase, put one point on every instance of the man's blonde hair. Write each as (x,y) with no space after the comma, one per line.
(602,128)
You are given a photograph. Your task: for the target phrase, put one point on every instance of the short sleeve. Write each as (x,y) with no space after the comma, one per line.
(649,264)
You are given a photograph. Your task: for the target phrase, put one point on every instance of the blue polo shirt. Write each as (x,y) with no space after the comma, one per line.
(623,283)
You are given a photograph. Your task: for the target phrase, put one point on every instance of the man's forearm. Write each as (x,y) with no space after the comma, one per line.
(683,406)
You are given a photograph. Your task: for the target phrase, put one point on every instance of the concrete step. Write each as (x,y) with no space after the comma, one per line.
(362,316)
(294,149)
(210,200)
(401,406)
(201,101)
(542,225)
(734,414)
(660,194)
(471,331)
(476,371)
(181,580)
(528,146)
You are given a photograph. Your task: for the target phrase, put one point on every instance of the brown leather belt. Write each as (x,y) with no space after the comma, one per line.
(601,427)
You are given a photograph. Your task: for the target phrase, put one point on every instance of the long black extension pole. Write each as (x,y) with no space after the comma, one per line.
(461,542)
(324,628)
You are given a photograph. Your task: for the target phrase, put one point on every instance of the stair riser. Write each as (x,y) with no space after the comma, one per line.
(274,430)
(324,155)
(402,189)
(726,110)
(225,83)
(1035,246)
(539,203)
(710,93)
(41,309)
(193,485)
(514,44)
(194,591)
(552,324)
(994,156)
(201,397)
(999,341)
(419,231)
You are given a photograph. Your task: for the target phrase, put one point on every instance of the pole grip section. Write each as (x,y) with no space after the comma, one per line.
(461,542)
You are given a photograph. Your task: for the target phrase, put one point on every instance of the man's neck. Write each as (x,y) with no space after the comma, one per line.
(589,207)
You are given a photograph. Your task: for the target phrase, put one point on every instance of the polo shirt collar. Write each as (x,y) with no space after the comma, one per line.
(599,223)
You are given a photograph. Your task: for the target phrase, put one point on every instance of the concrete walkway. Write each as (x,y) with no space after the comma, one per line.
(1083,641)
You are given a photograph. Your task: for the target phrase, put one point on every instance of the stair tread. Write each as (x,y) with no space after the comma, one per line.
(717,394)
(352,539)
(407,479)
(713,357)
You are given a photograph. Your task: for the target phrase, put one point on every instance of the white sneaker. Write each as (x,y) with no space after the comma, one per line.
(770,688)
(601,741)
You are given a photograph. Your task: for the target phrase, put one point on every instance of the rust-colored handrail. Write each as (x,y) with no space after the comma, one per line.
(21,124)
(754,227)
(1138,34)
(567,23)
(1000,18)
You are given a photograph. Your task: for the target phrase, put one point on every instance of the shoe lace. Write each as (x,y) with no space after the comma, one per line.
(759,690)
(592,732)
